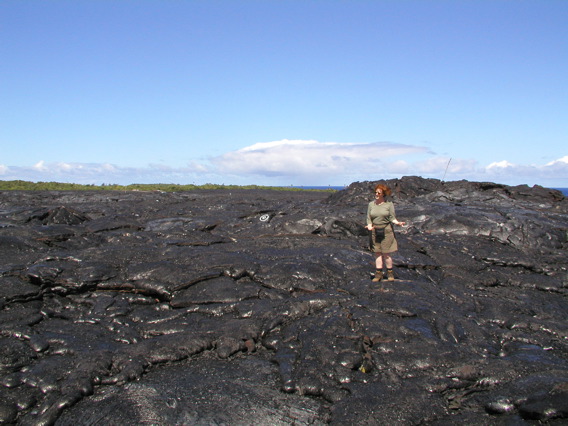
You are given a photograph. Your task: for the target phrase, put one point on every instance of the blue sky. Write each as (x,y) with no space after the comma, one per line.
(284,92)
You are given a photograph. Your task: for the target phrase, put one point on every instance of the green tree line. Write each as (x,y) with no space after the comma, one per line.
(20,185)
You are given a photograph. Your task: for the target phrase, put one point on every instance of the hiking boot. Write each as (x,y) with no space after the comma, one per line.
(390,275)
(378,276)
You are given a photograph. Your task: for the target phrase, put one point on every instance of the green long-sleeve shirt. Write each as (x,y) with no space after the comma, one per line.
(380,215)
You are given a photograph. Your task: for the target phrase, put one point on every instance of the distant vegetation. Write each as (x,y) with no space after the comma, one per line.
(20,185)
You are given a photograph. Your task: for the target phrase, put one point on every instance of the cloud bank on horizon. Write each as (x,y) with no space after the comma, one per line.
(301,163)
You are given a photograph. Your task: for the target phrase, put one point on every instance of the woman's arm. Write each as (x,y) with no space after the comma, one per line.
(393,218)
(369,220)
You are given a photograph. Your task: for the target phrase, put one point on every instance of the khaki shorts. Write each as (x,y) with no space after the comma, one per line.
(387,244)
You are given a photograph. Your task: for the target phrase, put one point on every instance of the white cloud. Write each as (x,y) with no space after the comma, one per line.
(554,173)
(500,165)
(80,169)
(283,162)
(560,162)
(301,162)
(108,167)
(558,167)
(308,158)
(195,167)
(40,166)
(67,167)
(399,167)
(162,167)
(99,173)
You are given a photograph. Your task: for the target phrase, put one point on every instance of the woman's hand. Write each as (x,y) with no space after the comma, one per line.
(400,223)
(370,227)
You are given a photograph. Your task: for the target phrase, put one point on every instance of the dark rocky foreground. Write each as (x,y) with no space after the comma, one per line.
(256,307)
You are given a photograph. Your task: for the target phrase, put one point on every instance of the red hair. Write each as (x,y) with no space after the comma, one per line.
(386,190)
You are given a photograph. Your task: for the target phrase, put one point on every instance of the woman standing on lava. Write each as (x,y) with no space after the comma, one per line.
(380,220)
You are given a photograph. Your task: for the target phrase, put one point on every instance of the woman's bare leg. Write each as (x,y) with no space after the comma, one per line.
(379,261)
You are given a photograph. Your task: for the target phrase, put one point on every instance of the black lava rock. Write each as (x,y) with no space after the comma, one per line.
(257,307)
